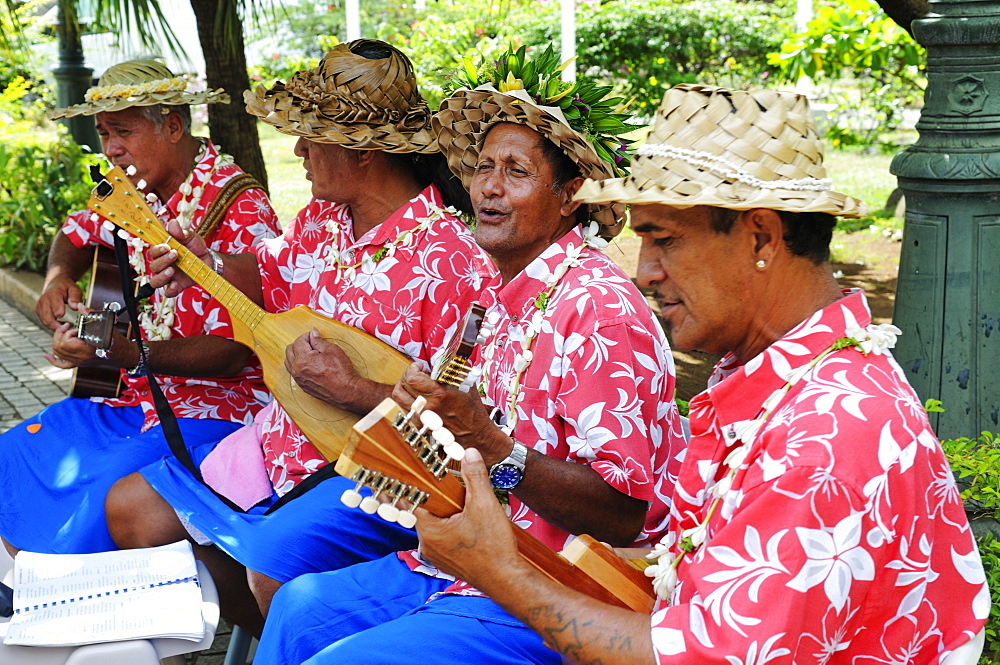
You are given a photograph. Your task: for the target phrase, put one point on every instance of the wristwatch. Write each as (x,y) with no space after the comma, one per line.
(140,367)
(506,474)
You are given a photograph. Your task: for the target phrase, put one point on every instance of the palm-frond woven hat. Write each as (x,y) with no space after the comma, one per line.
(577,117)
(358,102)
(138,83)
(730,149)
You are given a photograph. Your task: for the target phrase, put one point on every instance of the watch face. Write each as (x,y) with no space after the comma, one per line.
(505,476)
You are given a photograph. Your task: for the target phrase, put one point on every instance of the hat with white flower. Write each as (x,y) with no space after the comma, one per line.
(579,118)
(138,83)
(732,149)
(362,95)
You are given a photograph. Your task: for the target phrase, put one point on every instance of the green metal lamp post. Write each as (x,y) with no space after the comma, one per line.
(948,296)
(73,77)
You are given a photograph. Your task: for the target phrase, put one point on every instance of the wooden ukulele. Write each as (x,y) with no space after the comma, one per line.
(268,335)
(407,461)
(103,293)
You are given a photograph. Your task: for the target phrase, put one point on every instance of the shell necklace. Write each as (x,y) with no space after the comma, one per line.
(541,304)
(872,339)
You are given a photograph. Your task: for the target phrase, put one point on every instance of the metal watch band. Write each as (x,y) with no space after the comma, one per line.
(140,367)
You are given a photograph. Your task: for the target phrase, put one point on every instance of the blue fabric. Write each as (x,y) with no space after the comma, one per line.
(54,480)
(376,613)
(314,532)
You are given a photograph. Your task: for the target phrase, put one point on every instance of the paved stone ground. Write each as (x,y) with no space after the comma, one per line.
(28,383)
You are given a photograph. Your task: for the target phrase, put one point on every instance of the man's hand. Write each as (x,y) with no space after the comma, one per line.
(324,371)
(162,260)
(58,294)
(463,413)
(69,351)
(477,544)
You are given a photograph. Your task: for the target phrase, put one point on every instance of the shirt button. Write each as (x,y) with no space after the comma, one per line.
(514,318)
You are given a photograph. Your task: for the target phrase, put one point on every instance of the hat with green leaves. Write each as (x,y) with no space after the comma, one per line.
(580,118)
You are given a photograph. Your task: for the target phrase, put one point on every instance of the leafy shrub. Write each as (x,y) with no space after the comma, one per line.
(853,42)
(643,48)
(975,462)
(42,177)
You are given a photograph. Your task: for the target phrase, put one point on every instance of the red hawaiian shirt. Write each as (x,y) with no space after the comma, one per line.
(249,219)
(413,298)
(843,538)
(599,389)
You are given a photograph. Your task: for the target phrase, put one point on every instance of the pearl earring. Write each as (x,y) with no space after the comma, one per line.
(761,264)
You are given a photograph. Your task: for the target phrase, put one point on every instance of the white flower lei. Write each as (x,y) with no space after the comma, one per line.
(157,319)
(534,326)
(871,339)
(406,238)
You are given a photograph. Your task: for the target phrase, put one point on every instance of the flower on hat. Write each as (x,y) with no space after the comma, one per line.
(584,104)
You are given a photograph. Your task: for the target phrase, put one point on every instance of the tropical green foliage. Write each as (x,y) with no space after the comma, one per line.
(42,178)
(975,462)
(644,47)
(870,65)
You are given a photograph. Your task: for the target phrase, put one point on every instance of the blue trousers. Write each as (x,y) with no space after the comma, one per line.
(377,613)
(57,466)
(312,533)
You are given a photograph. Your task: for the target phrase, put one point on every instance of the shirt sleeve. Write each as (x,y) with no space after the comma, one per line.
(83,232)
(612,384)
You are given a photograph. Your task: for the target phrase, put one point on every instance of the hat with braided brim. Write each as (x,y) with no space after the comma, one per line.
(352,101)
(464,119)
(138,83)
(730,149)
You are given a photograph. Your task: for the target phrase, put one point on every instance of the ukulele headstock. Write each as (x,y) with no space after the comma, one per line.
(454,368)
(118,201)
(404,457)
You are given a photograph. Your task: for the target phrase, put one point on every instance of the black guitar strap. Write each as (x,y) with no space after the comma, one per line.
(168,421)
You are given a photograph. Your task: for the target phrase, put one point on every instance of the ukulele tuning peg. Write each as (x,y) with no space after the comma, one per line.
(151,197)
(388,511)
(351,498)
(406,519)
(123,234)
(369,504)
(130,171)
(454,451)
(415,408)
(431,420)
(94,217)
(141,184)
(109,226)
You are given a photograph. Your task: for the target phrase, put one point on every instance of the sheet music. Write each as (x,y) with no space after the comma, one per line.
(65,599)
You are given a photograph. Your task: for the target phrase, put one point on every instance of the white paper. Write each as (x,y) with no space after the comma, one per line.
(69,599)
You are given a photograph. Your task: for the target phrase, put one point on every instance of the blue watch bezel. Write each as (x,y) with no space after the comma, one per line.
(505,476)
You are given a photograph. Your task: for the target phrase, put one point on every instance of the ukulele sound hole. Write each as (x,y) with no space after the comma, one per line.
(330,414)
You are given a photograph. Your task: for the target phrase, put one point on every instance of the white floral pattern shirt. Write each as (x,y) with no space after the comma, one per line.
(599,389)
(413,300)
(843,540)
(248,220)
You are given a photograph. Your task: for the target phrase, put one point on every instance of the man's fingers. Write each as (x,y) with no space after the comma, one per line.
(477,483)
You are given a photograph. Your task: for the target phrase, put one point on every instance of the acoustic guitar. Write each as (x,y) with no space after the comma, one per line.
(104,293)
(400,456)
(268,335)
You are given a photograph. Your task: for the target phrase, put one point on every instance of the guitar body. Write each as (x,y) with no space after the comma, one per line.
(326,426)
(105,286)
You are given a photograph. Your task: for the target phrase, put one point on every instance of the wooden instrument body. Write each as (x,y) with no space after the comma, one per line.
(268,335)
(378,445)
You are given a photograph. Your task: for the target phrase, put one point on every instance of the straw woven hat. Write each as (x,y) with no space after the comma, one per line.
(138,83)
(353,101)
(466,116)
(730,149)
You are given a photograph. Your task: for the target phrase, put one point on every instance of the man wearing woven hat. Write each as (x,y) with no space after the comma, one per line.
(377,249)
(815,519)
(58,465)
(584,434)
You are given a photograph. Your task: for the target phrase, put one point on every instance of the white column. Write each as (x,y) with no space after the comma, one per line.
(353,19)
(568,37)
(803,14)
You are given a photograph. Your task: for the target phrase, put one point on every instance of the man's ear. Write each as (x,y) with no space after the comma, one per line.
(767,231)
(366,157)
(173,127)
(568,206)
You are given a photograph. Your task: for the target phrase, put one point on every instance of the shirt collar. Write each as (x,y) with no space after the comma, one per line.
(737,391)
(519,294)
